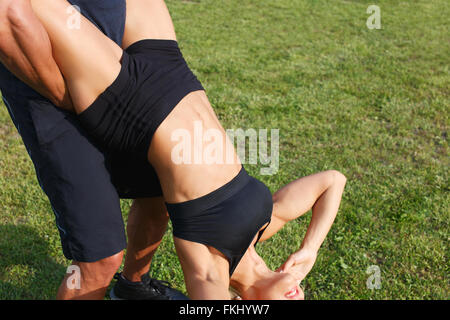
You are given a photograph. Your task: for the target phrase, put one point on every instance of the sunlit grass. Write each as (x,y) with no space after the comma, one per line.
(373,104)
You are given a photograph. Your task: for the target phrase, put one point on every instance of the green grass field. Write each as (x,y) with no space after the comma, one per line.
(373,104)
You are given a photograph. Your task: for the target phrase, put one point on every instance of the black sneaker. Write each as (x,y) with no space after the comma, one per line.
(146,289)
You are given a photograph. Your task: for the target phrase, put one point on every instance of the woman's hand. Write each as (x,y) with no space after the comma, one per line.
(300,263)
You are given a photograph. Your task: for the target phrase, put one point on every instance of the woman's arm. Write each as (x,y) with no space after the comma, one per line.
(25,50)
(322,192)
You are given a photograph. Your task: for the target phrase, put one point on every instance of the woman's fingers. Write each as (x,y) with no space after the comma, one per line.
(290,262)
(299,264)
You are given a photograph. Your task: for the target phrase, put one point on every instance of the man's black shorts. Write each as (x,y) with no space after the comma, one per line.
(82,182)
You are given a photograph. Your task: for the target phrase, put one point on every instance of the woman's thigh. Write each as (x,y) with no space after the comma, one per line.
(88,59)
(147,19)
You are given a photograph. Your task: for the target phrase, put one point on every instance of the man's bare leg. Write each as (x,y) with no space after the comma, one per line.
(147,223)
(94,279)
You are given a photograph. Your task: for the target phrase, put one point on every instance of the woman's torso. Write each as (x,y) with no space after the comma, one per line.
(191,152)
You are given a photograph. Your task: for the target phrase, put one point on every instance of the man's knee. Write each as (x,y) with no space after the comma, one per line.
(101,271)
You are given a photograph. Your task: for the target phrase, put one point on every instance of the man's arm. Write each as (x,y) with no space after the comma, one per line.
(26,51)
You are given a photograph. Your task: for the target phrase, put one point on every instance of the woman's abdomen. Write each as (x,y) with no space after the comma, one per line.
(191,151)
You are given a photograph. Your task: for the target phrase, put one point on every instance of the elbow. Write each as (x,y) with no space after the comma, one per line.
(339,178)
(7,13)
(4,14)
(13,15)
(16,12)
(4,8)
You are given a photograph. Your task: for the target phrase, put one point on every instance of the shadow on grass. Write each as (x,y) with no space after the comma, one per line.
(27,270)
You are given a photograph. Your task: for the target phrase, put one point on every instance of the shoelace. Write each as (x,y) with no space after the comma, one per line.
(160,285)
(152,284)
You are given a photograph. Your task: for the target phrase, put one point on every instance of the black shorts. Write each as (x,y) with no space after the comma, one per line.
(83,182)
(227,219)
(153,79)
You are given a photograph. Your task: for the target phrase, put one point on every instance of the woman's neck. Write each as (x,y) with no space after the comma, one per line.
(251,274)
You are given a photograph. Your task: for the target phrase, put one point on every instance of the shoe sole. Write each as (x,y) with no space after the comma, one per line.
(113,296)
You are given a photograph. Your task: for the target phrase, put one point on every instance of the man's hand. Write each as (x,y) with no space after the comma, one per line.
(300,263)
(26,51)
